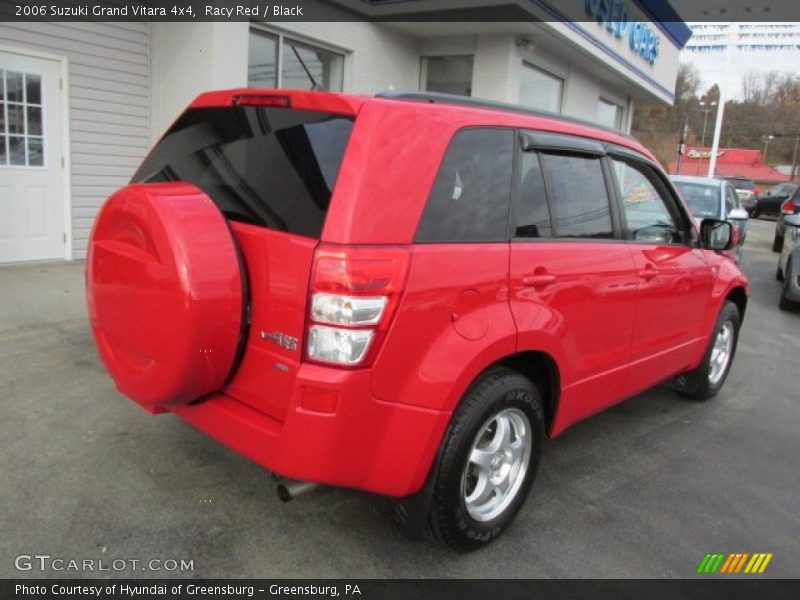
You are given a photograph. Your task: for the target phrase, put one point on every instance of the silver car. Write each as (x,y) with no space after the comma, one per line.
(789,264)
(712,198)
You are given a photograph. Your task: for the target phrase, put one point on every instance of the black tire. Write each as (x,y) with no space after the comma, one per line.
(697,383)
(777,243)
(499,391)
(785,303)
(754,213)
(779,273)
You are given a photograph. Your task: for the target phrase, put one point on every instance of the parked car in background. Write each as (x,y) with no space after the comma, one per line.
(404,294)
(746,190)
(769,203)
(712,198)
(789,264)
(790,206)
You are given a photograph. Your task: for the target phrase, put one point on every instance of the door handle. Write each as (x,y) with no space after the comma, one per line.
(538,280)
(648,273)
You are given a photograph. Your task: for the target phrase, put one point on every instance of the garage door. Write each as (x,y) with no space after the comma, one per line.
(32,203)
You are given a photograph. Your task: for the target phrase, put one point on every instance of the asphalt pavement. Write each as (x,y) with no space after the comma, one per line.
(645,489)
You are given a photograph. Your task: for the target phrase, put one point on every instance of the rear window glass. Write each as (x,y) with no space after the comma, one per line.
(703,200)
(742,184)
(274,167)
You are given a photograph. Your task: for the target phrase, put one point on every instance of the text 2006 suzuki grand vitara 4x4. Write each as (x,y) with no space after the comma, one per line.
(404,294)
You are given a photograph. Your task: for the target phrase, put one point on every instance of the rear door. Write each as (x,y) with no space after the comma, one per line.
(674,279)
(271,171)
(573,289)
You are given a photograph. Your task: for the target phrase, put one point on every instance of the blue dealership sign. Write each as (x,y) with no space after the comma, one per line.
(613,14)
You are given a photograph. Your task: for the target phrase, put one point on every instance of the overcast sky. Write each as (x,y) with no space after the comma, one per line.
(711,66)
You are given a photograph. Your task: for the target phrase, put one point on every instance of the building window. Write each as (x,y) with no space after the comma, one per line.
(540,89)
(279,62)
(262,60)
(21,120)
(609,114)
(447,74)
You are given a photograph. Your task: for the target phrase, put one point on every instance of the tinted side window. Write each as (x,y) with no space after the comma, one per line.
(274,167)
(646,211)
(578,196)
(533,213)
(471,195)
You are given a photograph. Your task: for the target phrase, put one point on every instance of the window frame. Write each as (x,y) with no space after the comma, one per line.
(282,47)
(23,105)
(619,113)
(423,69)
(665,190)
(549,73)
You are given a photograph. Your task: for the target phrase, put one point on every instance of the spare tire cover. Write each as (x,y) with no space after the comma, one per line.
(165,293)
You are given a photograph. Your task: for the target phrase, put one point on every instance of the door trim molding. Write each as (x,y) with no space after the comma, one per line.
(66,169)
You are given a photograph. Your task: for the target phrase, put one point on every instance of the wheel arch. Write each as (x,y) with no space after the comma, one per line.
(542,369)
(738,296)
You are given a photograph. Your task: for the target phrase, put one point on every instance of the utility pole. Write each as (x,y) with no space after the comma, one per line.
(682,143)
(707,108)
(732,35)
(767,138)
(794,157)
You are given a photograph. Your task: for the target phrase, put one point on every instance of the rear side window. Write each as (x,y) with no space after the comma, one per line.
(533,213)
(470,198)
(274,167)
(578,196)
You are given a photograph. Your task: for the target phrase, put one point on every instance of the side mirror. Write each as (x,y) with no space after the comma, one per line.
(738,214)
(716,235)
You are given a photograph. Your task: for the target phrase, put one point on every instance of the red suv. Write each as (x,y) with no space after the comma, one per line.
(404,294)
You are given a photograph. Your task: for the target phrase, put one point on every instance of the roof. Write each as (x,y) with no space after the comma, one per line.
(731,162)
(461,111)
(440,98)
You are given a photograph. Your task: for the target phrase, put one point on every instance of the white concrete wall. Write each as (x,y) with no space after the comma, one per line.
(495,75)
(189,58)
(498,69)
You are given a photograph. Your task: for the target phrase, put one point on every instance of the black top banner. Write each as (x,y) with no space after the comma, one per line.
(664,11)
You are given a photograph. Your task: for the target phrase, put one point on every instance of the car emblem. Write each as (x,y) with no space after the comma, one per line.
(280,339)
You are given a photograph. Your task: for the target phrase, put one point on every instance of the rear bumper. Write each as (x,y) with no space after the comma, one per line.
(358,441)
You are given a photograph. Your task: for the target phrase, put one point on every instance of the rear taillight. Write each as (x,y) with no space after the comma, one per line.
(788,207)
(354,294)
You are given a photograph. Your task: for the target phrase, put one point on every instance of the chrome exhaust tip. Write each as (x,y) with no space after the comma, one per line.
(289,489)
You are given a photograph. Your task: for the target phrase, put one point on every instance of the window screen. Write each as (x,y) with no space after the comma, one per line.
(578,196)
(470,197)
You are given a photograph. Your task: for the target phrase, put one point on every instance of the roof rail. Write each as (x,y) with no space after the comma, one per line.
(439,98)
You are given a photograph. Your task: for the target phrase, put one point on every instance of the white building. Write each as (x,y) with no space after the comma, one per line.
(83,102)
